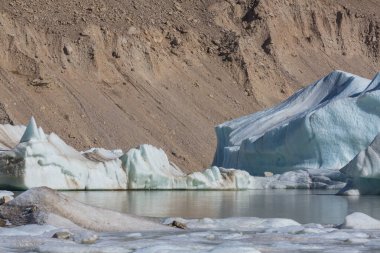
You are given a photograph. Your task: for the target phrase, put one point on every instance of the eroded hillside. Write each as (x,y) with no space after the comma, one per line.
(120,73)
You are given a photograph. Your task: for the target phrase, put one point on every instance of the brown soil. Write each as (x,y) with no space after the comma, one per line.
(120,73)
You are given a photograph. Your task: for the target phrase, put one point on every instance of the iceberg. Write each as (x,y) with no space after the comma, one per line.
(363,171)
(41,159)
(46,160)
(148,167)
(323,126)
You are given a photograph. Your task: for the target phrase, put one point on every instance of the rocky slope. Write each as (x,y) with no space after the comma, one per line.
(120,73)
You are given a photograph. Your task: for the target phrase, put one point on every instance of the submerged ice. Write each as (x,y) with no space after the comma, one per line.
(323,126)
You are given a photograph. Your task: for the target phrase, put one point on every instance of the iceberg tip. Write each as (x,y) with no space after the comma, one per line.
(31,131)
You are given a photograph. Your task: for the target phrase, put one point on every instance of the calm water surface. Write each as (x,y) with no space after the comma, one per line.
(304,206)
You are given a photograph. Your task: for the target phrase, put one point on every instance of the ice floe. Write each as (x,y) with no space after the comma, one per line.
(322,126)
(118,232)
(203,235)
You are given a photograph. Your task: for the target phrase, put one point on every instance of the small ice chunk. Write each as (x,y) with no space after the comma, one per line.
(360,221)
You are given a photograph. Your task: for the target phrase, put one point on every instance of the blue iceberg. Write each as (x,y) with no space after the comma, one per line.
(322,126)
(363,172)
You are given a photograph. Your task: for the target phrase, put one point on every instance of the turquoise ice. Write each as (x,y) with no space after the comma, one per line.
(323,126)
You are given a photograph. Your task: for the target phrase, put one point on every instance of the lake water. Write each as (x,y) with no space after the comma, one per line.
(304,206)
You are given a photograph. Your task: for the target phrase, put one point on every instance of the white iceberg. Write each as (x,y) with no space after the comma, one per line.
(363,171)
(46,160)
(148,167)
(322,126)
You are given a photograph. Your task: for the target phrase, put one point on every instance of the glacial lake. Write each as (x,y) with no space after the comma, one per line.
(304,206)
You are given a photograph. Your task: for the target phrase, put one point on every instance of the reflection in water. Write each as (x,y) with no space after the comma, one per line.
(301,205)
(371,205)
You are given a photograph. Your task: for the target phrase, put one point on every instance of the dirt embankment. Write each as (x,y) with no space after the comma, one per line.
(120,73)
